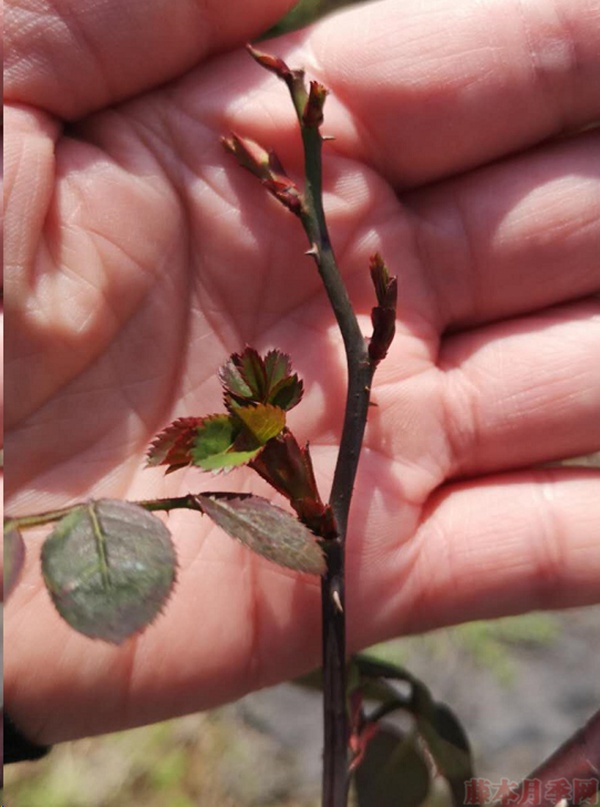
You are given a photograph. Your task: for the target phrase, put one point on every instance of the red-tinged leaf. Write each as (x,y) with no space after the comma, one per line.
(294,78)
(384,328)
(14,557)
(243,377)
(386,286)
(287,467)
(271,63)
(250,155)
(265,529)
(248,378)
(275,163)
(173,446)
(266,166)
(383,316)
(285,191)
(110,567)
(285,389)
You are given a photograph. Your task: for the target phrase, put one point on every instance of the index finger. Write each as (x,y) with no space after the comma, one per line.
(437,88)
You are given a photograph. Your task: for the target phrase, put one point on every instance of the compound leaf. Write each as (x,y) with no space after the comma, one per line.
(247,378)
(110,567)
(265,529)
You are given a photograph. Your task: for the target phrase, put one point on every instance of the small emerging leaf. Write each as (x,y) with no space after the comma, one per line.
(247,378)
(294,78)
(14,557)
(265,529)
(265,165)
(312,116)
(386,286)
(243,377)
(383,315)
(109,567)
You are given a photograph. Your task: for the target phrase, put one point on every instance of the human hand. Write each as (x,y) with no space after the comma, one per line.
(139,256)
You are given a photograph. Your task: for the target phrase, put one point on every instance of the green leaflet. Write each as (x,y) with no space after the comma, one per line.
(226,441)
(109,567)
(393,771)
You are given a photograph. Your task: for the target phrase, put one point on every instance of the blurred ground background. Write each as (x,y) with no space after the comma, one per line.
(520,686)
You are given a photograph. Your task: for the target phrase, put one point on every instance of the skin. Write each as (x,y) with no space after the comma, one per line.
(139,256)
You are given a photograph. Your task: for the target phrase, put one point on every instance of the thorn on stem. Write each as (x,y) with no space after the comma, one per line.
(337,601)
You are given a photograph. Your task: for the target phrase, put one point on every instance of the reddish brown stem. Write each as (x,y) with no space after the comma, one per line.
(571,773)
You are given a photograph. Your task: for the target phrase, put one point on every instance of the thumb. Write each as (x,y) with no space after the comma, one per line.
(71,57)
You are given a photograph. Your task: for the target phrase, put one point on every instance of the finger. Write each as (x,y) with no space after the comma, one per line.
(437,89)
(69,58)
(506,545)
(523,391)
(70,299)
(512,238)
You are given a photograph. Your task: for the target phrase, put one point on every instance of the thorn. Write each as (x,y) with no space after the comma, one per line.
(327,137)
(335,596)
(313,252)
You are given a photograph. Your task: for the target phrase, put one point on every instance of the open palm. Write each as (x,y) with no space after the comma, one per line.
(139,257)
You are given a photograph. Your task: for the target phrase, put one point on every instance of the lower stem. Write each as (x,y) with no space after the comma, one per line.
(335,721)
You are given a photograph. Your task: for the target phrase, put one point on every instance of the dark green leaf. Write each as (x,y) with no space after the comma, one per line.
(110,567)
(392,773)
(449,747)
(265,529)
(14,557)
(437,725)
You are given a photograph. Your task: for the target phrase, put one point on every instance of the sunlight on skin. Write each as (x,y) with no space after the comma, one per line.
(139,256)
